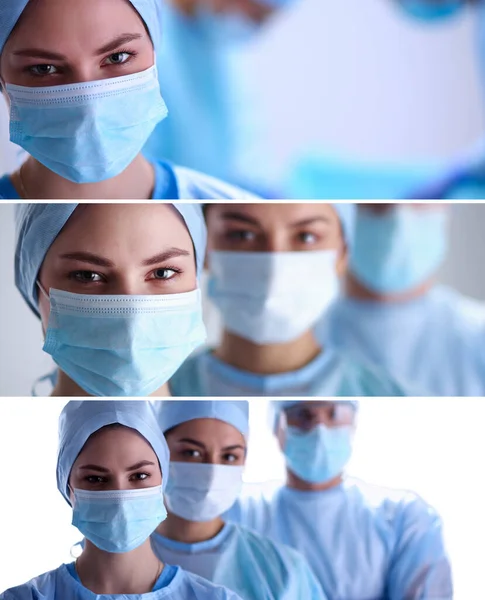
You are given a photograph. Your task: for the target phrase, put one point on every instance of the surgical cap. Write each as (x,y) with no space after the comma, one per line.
(80,419)
(175,412)
(149,10)
(346,213)
(38,225)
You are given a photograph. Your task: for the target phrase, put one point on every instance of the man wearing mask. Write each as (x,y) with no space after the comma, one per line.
(396,315)
(361,541)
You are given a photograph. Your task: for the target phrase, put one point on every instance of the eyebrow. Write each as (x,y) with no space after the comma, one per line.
(139,465)
(235,216)
(100,261)
(93,468)
(200,445)
(310,221)
(122,39)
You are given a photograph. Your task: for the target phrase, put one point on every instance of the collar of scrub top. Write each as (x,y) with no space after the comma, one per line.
(38,225)
(174,412)
(81,418)
(149,10)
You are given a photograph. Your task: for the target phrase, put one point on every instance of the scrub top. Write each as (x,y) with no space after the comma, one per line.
(330,374)
(62,584)
(245,562)
(437,341)
(171,183)
(362,541)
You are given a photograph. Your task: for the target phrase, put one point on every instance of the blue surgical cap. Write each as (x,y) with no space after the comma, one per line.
(38,225)
(175,412)
(149,10)
(346,213)
(80,419)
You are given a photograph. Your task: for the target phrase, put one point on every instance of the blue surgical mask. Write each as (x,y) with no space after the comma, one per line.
(318,455)
(87,132)
(118,521)
(400,249)
(122,345)
(431,10)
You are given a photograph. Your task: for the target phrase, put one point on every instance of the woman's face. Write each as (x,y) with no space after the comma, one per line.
(120,249)
(291,227)
(115,458)
(59,42)
(207,441)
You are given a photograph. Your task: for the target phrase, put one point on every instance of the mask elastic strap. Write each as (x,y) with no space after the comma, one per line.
(43,290)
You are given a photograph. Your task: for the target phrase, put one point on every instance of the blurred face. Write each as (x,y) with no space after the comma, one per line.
(58,42)
(206,441)
(307,415)
(252,9)
(384,208)
(267,227)
(120,249)
(115,458)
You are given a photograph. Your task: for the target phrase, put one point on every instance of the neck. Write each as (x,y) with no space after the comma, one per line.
(295,483)
(40,183)
(358,291)
(269,359)
(65,387)
(189,532)
(134,572)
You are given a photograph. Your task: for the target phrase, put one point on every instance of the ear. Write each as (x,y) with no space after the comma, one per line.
(342,260)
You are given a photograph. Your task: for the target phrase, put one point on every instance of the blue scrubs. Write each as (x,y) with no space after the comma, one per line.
(330,374)
(171,183)
(61,584)
(363,542)
(241,560)
(437,341)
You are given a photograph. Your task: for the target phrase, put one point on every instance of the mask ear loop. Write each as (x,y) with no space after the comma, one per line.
(38,283)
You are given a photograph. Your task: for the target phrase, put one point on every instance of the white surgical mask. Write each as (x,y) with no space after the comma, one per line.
(201,492)
(272,297)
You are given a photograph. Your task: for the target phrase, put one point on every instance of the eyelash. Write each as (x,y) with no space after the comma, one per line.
(89,478)
(74,275)
(131,55)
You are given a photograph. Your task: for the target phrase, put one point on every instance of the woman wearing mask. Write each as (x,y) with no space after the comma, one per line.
(207,442)
(361,540)
(115,286)
(81,83)
(274,270)
(112,469)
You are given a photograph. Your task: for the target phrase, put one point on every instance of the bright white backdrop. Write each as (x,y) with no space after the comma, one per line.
(434,447)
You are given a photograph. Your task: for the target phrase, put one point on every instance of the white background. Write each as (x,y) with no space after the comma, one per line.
(22,360)
(434,447)
(357,77)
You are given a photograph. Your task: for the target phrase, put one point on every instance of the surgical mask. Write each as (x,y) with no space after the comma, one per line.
(122,345)
(318,455)
(201,492)
(272,297)
(118,521)
(431,10)
(399,249)
(87,132)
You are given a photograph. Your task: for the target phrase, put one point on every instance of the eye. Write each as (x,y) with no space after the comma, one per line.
(164,273)
(85,276)
(139,477)
(241,236)
(230,458)
(95,479)
(119,58)
(190,453)
(42,70)
(307,238)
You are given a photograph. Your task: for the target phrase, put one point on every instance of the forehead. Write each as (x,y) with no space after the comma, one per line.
(61,24)
(112,228)
(213,430)
(282,214)
(115,443)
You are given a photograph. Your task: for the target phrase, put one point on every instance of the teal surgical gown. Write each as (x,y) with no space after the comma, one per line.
(363,542)
(437,341)
(330,374)
(171,183)
(63,584)
(241,560)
